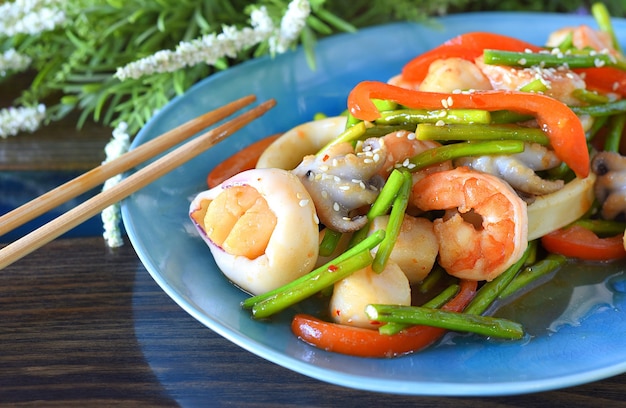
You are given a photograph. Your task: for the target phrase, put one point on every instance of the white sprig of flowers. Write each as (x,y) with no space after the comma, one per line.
(33,17)
(207,49)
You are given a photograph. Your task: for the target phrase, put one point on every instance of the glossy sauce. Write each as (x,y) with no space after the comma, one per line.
(576,291)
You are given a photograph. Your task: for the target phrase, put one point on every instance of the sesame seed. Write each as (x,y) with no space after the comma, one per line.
(450,101)
(344,187)
(440,123)
(444,103)
(303,203)
(335,206)
(324,194)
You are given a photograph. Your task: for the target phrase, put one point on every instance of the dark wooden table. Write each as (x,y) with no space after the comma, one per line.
(84,325)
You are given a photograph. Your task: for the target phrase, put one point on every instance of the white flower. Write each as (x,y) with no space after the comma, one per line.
(207,49)
(291,25)
(261,21)
(11,60)
(30,16)
(21,119)
(111,216)
(210,48)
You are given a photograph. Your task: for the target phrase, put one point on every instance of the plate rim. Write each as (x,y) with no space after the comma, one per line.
(344,379)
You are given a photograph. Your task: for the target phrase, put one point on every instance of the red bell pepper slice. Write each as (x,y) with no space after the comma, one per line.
(560,123)
(244,159)
(604,79)
(361,342)
(467,46)
(579,242)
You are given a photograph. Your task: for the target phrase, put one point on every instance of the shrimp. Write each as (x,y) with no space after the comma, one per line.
(249,222)
(402,145)
(583,36)
(352,294)
(454,74)
(561,83)
(485,226)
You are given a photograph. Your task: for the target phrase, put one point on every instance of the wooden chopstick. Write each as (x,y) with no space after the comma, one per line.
(79,214)
(99,175)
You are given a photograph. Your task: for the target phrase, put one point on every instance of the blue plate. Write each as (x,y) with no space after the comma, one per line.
(578,334)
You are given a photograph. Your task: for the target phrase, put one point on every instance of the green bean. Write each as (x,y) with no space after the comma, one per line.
(535,86)
(394,224)
(384,104)
(614,135)
(567,43)
(603,109)
(415,116)
(533,272)
(454,151)
(381,104)
(416,315)
(507,116)
(602,227)
(598,123)
(490,290)
(590,97)
(325,278)
(435,303)
(432,279)
(427,131)
(603,19)
(546,59)
(349,135)
(381,205)
(329,242)
(368,243)
(387,194)
(376,130)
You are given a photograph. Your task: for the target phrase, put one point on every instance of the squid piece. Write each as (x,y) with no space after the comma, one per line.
(341,181)
(287,151)
(610,185)
(249,223)
(519,169)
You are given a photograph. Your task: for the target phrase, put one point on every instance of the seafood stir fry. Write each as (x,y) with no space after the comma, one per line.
(433,194)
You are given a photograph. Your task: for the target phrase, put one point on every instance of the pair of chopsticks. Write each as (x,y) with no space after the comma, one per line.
(156,169)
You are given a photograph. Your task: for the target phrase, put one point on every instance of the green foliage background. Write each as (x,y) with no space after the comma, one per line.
(73,66)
